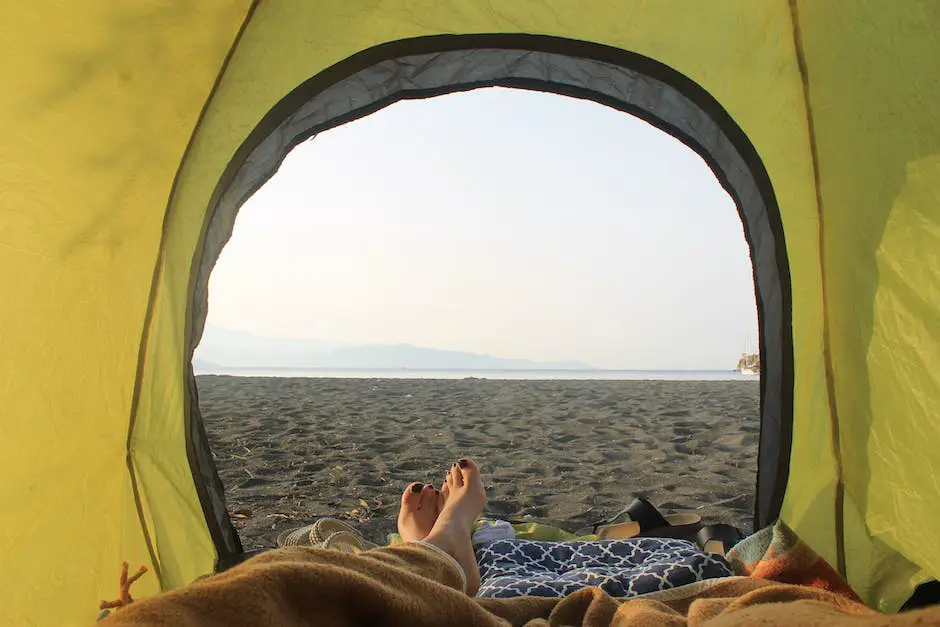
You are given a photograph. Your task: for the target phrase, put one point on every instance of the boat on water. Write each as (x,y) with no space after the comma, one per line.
(750,361)
(749,364)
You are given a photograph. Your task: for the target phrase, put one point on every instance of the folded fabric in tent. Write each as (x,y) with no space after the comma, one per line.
(621,568)
(489,530)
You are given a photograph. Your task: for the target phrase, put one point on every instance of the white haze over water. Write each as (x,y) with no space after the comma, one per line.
(522,375)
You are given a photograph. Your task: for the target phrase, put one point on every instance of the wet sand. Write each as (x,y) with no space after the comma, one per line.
(565,452)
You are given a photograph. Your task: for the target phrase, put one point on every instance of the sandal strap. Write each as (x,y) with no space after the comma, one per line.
(640,511)
(645,513)
(726,534)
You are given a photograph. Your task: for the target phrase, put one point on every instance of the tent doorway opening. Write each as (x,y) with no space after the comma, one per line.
(553,287)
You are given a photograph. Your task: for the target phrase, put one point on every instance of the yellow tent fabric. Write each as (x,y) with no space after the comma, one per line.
(126,124)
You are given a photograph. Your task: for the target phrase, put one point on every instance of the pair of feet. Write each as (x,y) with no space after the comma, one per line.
(444,517)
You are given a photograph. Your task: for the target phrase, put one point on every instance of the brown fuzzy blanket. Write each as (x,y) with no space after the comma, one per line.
(412,585)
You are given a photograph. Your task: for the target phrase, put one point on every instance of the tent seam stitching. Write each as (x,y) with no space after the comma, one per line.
(827,343)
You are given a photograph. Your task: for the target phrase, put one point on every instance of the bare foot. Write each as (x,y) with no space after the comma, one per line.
(463,504)
(420,507)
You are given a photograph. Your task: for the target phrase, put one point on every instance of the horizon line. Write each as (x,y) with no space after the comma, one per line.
(407,369)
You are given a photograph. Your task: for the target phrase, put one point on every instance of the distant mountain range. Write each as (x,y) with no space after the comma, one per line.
(223,349)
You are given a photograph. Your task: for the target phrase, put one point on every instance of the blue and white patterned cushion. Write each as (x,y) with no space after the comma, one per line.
(622,568)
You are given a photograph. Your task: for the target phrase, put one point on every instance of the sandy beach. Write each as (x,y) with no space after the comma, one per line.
(565,452)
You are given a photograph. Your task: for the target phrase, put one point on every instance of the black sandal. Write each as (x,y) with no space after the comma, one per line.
(647,521)
(718,538)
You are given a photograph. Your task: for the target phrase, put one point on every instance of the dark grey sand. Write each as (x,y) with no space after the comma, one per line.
(566,452)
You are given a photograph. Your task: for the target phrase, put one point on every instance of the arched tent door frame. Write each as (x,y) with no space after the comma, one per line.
(425,67)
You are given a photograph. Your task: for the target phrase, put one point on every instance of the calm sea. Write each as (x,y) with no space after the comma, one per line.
(528,375)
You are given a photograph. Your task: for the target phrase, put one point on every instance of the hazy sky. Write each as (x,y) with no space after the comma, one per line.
(505,222)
